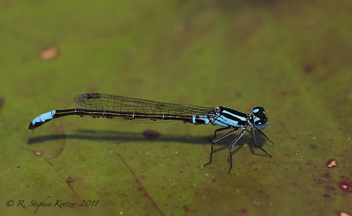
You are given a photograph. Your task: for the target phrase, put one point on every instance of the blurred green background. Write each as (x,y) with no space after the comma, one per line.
(293,58)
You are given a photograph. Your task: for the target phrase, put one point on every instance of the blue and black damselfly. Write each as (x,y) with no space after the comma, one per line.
(139,110)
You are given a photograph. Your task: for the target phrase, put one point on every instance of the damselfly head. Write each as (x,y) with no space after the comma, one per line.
(260,120)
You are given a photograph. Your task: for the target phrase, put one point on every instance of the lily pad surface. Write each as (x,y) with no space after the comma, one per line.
(291,57)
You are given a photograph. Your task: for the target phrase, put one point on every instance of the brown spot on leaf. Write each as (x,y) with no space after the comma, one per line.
(327,175)
(330,188)
(243,210)
(312,146)
(326,195)
(49,53)
(283,94)
(341,213)
(1,102)
(307,69)
(37,153)
(186,208)
(345,186)
(151,134)
(332,163)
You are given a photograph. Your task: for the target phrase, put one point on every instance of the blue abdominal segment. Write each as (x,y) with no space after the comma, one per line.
(200,119)
(39,120)
(44,117)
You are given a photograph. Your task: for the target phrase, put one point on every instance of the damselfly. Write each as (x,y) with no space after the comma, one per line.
(139,110)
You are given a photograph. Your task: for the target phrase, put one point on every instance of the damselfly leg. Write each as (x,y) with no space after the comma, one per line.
(215,140)
(233,143)
(230,148)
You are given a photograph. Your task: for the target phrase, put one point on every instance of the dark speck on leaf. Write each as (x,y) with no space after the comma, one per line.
(151,134)
(326,195)
(1,102)
(70,179)
(243,210)
(308,69)
(312,146)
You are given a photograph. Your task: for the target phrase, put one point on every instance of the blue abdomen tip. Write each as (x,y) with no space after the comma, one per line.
(44,117)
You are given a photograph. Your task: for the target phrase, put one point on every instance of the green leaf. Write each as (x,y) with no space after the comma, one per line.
(293,58)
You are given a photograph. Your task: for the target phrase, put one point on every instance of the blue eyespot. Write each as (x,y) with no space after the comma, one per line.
(258,111)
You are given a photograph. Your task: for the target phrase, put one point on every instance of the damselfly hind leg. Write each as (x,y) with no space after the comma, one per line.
(215,140)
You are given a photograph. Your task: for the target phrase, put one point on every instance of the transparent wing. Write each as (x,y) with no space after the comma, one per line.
(98,101)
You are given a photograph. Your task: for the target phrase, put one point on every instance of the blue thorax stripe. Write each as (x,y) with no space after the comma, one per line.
(234,115)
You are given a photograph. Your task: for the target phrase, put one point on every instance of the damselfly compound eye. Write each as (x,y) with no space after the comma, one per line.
(258,111)
(260,120)
(261,123)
